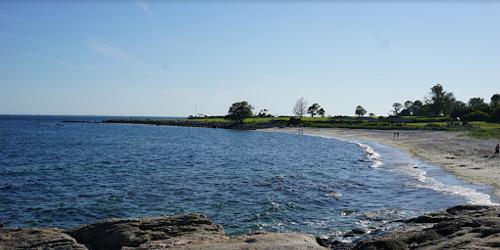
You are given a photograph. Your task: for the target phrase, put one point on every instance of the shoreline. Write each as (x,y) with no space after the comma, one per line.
(471,160)
(459,227)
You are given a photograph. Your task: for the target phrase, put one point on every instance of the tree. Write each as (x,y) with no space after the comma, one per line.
(300,107)
(240,110)
(459,109)
(264,113)
(476,102)
(416,108)
(495,100)
(440,102)
(397,107)
(360,111)
(321,112)
(313,109)
(408,104)
(372,115)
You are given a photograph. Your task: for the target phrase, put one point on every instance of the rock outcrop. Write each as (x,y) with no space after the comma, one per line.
(37,238)
(188,231)
(460,227)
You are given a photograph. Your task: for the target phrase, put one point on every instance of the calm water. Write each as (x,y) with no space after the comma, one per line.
(55,174)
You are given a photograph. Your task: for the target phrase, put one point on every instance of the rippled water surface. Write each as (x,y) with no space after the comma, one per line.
(66,174)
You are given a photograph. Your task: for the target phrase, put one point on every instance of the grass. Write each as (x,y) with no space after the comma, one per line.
(484,130)
(481,130)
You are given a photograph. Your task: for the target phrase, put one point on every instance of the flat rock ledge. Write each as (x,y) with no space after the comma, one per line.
(460,227)
(186,231)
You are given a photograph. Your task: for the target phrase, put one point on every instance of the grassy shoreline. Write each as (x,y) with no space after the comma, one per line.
(479,130)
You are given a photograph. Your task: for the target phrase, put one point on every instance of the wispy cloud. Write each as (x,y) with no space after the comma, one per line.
(47,58)
(106,49)
(145,7)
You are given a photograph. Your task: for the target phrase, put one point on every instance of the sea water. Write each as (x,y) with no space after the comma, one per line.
(55,174)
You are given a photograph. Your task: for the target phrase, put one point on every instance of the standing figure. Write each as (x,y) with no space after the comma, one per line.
(497,149)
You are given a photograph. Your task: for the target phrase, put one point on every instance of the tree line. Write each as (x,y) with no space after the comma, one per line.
(438,103)
(443,103)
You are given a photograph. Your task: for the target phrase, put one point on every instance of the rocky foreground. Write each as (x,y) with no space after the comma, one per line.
(461,227)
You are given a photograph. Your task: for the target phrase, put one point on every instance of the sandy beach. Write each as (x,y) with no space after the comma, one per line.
(470,159)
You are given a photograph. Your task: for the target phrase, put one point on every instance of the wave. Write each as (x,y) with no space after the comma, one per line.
(424,181)
(472,196)
(373,155)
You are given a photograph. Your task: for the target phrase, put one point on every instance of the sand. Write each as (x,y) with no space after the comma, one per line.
(470,159)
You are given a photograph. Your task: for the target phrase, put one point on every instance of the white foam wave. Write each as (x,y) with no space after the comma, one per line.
(471,195)
(372,155)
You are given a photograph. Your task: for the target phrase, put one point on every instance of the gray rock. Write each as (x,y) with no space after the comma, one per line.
(149,233)
(37,238)
(460,227)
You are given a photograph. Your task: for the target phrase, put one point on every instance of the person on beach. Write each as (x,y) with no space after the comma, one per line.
(497,149)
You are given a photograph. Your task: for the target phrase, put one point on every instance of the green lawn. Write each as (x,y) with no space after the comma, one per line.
(485,130)
(475,129)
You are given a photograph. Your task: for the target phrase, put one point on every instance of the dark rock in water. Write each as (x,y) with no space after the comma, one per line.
(37,238)
(1,225)
(460,227)
(358,231)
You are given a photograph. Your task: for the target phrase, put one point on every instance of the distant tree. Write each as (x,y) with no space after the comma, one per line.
(313,109)
(300,107)
(476,102)
(416,107)
(440,102)
(397,107)
(459,109)
(495,100)
(360,111)
(408,104)
(264,113)
(495,114)
(239,111)
(321,112)
(372,115)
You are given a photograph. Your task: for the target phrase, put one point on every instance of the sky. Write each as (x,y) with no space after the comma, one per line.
(175,58)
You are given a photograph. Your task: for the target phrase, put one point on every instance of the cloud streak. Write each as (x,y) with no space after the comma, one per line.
(145,8)
(106,49)
(47,58)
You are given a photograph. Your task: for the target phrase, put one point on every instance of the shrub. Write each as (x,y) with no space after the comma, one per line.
(476,116)
(433,125)
(495,115)
(294,120)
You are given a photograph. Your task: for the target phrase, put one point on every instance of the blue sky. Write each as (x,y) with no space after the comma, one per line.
(165,58)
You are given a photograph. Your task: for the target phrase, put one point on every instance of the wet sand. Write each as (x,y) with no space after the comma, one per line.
(470,159)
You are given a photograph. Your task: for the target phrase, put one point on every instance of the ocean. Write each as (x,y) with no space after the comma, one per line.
(55,174)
